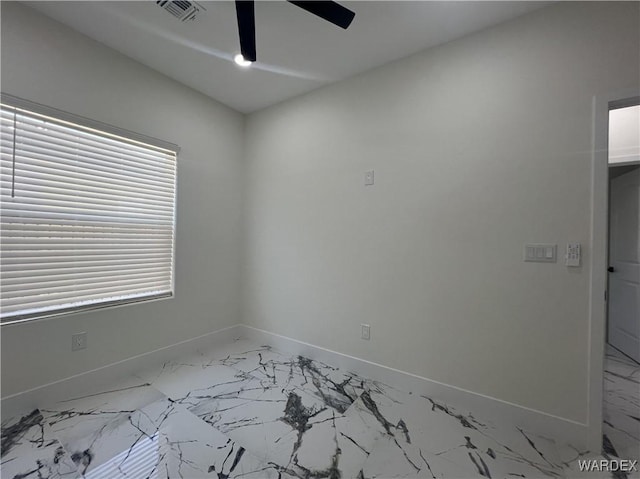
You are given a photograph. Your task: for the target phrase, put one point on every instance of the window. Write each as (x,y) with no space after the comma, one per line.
(87,214)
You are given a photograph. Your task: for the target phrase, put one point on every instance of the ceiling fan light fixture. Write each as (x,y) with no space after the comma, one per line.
(239,59)
(328,10)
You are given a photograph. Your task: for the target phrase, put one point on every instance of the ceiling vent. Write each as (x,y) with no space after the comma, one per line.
(182,9)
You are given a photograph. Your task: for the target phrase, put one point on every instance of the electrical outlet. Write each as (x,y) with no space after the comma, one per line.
(79,341)
(368,178)
(366,332)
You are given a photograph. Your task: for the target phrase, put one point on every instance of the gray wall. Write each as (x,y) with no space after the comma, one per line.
(48,63)
(478,146)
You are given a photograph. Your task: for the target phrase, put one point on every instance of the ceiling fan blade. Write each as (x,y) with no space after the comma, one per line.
(330,11)
(247,28)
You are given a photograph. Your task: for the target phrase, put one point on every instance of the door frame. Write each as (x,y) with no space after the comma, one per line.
(600,254)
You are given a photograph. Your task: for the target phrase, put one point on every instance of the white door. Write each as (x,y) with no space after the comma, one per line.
(624,264)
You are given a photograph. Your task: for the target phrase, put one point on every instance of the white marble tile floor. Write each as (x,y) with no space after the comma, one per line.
(248,411)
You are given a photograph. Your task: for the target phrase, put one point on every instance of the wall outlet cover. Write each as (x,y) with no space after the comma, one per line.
(368,178)
(79,341)
(365,332)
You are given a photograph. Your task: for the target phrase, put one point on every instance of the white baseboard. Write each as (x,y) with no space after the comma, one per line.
(561,430)
(97,379)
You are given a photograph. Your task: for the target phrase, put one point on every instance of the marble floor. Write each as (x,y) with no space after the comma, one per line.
(621,415)
(246,410)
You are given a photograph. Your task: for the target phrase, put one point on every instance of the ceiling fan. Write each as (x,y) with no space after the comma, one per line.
(245,11)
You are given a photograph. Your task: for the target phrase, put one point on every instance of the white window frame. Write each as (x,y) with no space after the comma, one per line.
(112,131)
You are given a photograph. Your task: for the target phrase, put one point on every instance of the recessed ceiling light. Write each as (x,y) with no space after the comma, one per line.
(239,59)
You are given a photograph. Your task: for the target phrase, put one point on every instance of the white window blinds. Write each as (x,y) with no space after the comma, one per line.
(87,217)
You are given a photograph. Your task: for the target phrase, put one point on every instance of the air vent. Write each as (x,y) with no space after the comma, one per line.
(182,9)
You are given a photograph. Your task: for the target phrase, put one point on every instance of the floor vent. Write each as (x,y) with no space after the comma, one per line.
(182,9)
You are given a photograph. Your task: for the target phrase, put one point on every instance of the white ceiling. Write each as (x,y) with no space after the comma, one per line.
(297,52)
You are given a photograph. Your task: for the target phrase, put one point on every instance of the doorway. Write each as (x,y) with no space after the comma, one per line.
(621,372)
(623,306)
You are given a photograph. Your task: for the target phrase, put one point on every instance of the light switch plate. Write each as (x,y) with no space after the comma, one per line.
(368,178)
(540,252)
